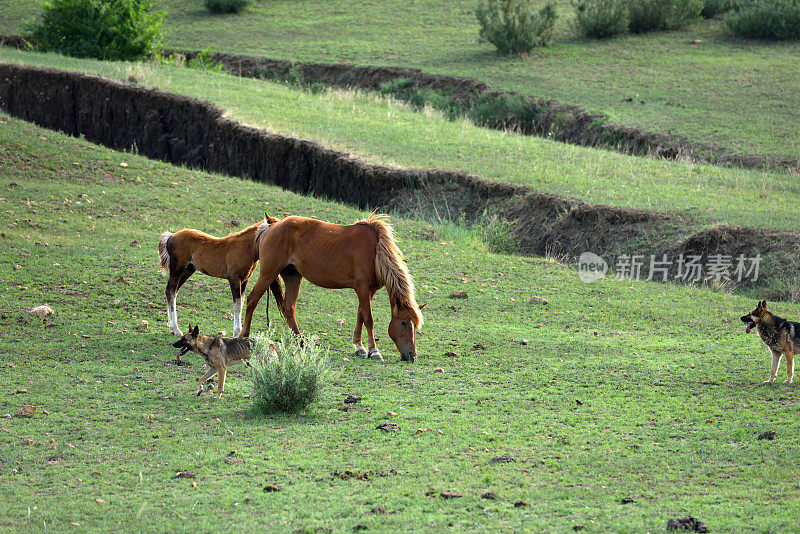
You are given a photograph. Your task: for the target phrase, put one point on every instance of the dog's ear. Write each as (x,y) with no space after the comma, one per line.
(270,220)
(196,331)
(763,304)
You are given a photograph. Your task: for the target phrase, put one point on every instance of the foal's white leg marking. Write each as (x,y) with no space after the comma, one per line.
(172,313)
(237,317)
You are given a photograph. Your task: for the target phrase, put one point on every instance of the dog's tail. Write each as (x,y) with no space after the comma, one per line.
(163,253)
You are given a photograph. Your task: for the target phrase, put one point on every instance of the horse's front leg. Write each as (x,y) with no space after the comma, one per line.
(365,310)
(237,290)
(360,352)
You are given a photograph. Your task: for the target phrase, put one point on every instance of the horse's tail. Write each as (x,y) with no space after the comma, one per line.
(163,253)
(390,267)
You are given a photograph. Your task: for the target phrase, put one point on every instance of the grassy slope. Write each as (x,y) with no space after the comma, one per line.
(669,383)
(739,94)
(389,133)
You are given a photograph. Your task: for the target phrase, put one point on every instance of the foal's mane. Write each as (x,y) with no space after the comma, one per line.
(391,268)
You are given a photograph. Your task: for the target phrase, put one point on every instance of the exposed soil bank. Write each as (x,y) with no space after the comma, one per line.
(547,118)
(187,131)
(501,110)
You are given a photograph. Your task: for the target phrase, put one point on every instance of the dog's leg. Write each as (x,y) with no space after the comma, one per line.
(211,372)
(789,366)
(776,362)
(222,371)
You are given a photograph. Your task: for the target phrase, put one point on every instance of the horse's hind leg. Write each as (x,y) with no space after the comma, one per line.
(292,281)
(176,279)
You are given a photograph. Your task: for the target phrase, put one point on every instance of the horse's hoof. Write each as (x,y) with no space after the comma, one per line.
(199,391)
(375,354)
(360,352)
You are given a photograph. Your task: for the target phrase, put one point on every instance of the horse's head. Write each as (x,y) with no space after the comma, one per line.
(403,329)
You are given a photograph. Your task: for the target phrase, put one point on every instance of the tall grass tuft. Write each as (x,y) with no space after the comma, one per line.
(654,15)
(601,19)
(291,381)
(226,6)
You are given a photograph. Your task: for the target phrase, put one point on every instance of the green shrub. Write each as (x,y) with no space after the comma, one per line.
(503,112)
(712,8)
(652,15)
(498,236)
(103,29)
(226,6)
(515,26)
(601,18)
(291,381)
(204,60)
(397,87)
(765,19)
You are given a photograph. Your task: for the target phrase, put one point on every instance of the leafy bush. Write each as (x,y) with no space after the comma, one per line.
(204,60)
(515,26)
(651,15)
(601,18)
(765,19)
(498,236)
(290,381)
(507,111)
(103,29)
(712,8)
(226,6)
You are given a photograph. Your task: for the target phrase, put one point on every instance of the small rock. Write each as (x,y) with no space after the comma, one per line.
(272,488)
(144,325)
(135,244)
(769,434)
(26,411)
(359,527)
(520,504)
(479,346)
(379,510)
(450,354)
(123,164)
(489,495)
(524,341)
(388,427)
(579,403)
(42,311)
(352,399)
(98,500)
(458,294)
(537,300)
(184,474)
(450,495)
(502,460)
(438,370)
(627,500)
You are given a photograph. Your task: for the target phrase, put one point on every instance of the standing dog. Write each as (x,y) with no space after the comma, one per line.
(782,337)
(218,352)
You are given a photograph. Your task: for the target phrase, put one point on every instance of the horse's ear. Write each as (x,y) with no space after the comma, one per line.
(196,331)
(270,220)
(422,305)
(266,216)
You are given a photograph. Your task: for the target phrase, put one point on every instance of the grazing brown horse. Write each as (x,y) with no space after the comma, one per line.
(233,257)
(362,256)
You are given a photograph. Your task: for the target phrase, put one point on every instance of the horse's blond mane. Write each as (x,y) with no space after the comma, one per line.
(391,268)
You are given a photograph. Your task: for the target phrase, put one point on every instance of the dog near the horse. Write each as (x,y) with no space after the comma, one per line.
(781,337)
(218,352)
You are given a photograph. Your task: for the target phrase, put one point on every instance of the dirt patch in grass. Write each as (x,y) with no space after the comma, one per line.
(187,131)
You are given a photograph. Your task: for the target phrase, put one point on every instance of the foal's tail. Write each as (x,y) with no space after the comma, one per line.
(163,253)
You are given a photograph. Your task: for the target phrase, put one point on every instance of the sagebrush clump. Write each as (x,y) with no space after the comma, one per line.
(515,26)
(290,381)
(775,20)
(712,8)
(653,15)
(601,19)
(226,6)
(104,29)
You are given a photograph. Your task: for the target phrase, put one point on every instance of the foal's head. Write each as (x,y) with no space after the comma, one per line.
(403,329)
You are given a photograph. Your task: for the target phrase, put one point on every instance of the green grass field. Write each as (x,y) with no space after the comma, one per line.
(669,386)
(737,93)
(388,132)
